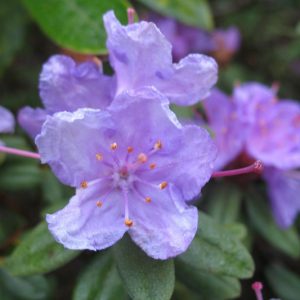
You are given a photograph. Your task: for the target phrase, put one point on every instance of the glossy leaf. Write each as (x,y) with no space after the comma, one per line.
(76,24)
(192,12)
(288,241)
(144,277)
(100,281)
(38,253)
(218,251)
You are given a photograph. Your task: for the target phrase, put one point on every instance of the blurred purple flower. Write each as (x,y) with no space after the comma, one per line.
(132,173)
(222,43)
(7,121)
(141,57)
(254,122)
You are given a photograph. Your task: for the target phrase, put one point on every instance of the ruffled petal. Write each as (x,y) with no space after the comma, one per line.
(284,190)
(228,132)
(7,121)
(84,225)
(141,57)
(165,227)
(31,120)
(275,137)
(67,86)
(69,143)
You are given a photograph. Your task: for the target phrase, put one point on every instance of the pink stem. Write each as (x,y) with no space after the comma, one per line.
(130,15)
(256,167)
(257,287)
(19,152)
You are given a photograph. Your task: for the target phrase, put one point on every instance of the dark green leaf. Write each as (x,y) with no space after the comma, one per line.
(12,22)
(287,240)
(144,277)
(100,281)
(38,253)
(208,285)
(192,12)
(284,282)
(217,251)
(52,188)
(224,203)
(29,288)
(76,24)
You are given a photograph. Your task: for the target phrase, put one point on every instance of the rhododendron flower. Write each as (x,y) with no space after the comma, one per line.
(141,57)
(255,123)
(7,121)
(134,168)
(222,43)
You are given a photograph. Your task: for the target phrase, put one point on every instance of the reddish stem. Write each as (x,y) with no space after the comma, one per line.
(256,167)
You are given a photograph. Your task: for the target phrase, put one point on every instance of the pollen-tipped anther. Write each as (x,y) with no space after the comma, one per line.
(148,199)
(113,146)
(99,203)
(128,222)
(257,287)
(142,158)
(163,185)
(129,149)
(158,145)
(84,184)
(152,166)
(99,156)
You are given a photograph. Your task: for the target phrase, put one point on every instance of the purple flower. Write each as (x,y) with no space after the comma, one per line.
(255,123)
(7,121)
(222,43)
(140,56)
(134,167)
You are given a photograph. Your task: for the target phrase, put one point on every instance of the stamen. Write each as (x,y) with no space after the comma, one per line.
(19,152)
(99,156)
(142,158)
(128,222)
(84,184)
(148,199)
(130,15)
(129,149)
(99,203)
(257,287)
(163,185)
(152,166)
(256,167)
(158,145)
(113,146)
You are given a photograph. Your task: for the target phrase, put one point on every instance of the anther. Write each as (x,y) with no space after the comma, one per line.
(152,166)
(148,199)
(128,222)
(130,15)
(99,203)
(129,149)
(99,156)
(163,185)
(258,167)
(142,158)
(158,145)
(84,184)
(257,287)
(113,146)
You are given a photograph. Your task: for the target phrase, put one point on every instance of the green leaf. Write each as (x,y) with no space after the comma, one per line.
(285,283)
(100,281)
(287,241)
(224,203)
(76,24)
(208,285)
(52,188)
(144,277)
(217,251)
(29,288)
(12,22)
(191,12)
(38,253)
